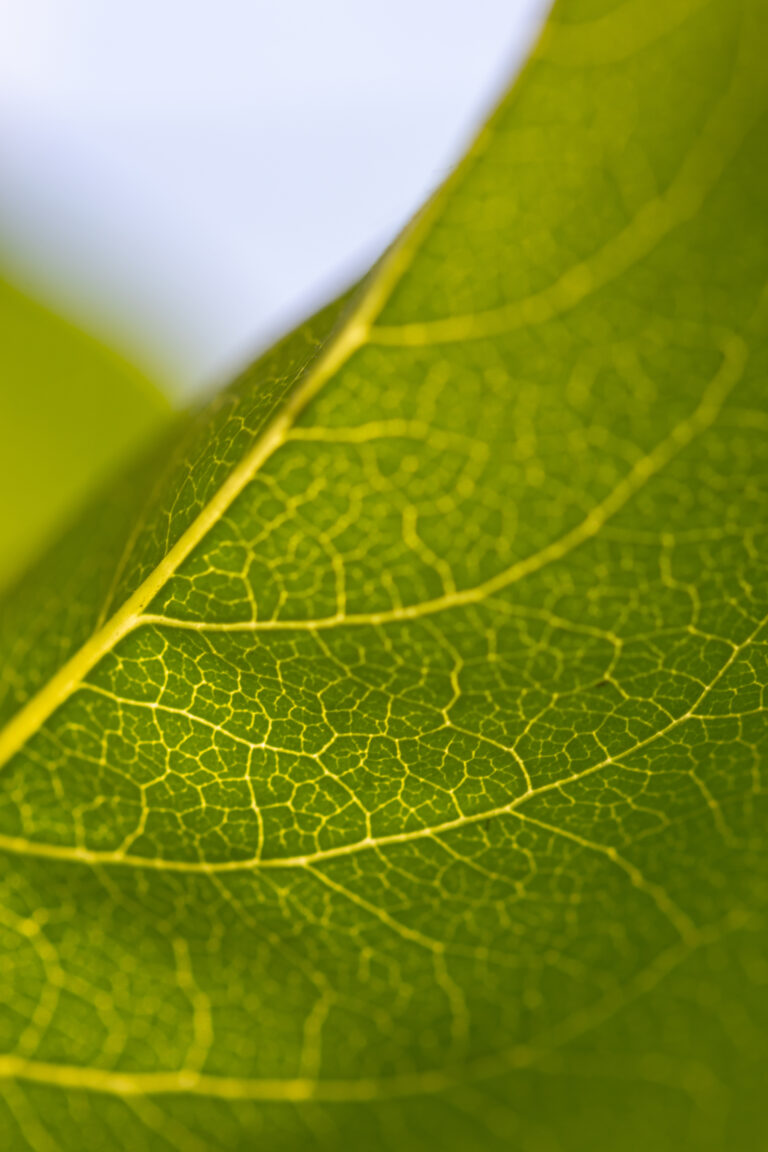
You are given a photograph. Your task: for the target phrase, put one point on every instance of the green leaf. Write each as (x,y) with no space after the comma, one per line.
(70,411)
(383,765)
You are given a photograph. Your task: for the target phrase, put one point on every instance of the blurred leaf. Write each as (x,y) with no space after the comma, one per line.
(71,411)
(383,765)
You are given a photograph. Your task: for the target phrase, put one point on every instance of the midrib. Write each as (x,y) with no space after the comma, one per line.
(351,336)
(37,710)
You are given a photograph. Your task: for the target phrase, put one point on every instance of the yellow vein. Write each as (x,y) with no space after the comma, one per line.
(191,1082)
(351,335)
(677,917)
(348,339)
(698,174)
(734,351)
(29,719)
(19,845)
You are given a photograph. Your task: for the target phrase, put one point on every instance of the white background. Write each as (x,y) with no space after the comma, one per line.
(190,176)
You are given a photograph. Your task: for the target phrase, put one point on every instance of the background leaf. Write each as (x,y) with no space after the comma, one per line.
(391,774)
(71,411)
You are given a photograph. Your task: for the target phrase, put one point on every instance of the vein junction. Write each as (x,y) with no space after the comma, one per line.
(444,707)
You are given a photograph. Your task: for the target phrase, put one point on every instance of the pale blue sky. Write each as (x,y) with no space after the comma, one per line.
(191,176)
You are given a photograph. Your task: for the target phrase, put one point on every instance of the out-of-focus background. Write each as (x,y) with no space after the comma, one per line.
(184,179)
(190,176)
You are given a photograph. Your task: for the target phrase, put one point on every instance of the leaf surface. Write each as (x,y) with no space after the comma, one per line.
(390,774)
(70,411)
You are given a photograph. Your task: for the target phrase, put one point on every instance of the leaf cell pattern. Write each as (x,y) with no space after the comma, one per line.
(394,774)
